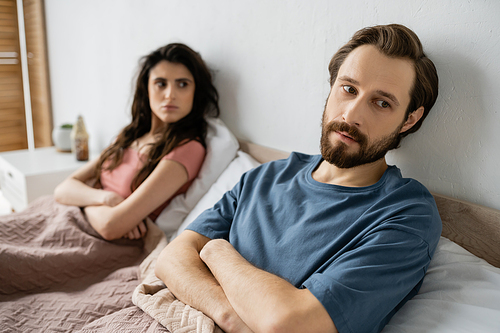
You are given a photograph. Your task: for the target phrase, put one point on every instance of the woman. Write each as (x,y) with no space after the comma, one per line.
(157,155)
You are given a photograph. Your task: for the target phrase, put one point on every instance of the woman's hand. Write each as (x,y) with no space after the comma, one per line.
(110,198)
(137,232)
(78,189)
(102,220)
(125,219)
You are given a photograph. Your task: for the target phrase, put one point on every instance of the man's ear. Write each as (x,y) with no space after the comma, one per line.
(413,118)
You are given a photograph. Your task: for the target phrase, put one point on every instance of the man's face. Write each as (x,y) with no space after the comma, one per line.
(365,111)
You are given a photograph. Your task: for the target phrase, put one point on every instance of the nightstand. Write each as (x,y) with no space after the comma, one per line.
(26,175)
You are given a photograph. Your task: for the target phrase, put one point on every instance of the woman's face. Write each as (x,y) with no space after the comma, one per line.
(171,89)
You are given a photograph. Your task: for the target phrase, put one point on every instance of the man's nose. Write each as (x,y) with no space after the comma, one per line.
(353,113)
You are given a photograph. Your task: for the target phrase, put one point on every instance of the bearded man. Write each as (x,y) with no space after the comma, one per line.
(336,242)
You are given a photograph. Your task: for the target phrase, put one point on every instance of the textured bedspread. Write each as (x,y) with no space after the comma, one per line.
(58,275)
(156,300)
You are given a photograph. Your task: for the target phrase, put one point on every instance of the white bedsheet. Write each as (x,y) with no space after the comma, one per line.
(460,293)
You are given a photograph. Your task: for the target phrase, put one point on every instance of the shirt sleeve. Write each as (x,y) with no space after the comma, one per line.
(191,155)
(364,287)
(216,222)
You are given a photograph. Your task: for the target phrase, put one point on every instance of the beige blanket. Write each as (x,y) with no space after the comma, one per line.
(154,298)
(58,275)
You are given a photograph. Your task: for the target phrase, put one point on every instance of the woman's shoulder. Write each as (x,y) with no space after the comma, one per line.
(189,147)
(190,154)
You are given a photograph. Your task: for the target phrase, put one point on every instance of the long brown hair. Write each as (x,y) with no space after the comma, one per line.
(397,41)
(191,127)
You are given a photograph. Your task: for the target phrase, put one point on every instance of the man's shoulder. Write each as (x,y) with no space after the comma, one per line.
(404,190)
(409,197)
(395,179)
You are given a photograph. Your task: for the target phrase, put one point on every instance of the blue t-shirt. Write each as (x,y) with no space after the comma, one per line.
(362,251)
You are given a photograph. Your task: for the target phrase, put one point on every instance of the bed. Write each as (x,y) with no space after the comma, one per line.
(461,291)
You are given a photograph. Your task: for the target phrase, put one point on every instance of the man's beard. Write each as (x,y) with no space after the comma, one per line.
(339,156)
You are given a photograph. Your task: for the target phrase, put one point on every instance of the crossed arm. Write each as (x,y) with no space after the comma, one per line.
(113,216)
(213,277)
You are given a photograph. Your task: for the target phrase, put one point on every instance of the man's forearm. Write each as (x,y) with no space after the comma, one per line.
(188,278)
(265,302)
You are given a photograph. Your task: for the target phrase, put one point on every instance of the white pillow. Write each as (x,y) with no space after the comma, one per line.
(222,146)
(241,164)
(460,293)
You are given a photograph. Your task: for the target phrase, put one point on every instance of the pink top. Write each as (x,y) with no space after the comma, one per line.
(190,155)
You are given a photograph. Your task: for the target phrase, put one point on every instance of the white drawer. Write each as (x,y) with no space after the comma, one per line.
(13,185)
(26,175)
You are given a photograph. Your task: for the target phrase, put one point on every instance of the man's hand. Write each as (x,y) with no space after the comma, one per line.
(265,302)
(180,267)
(218,247)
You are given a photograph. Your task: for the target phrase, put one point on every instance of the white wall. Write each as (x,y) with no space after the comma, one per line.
(270,59)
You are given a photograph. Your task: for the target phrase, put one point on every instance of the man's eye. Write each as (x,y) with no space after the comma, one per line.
(349,89)
(383,104)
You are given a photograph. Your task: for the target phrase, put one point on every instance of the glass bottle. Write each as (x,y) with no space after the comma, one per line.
(80,140)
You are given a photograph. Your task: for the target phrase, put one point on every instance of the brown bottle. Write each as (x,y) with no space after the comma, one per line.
(80,140)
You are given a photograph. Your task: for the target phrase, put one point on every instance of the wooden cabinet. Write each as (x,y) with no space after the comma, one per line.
(34,24)
(12,118)
(13,132)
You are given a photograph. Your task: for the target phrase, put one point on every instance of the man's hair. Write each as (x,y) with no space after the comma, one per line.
(397,41)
